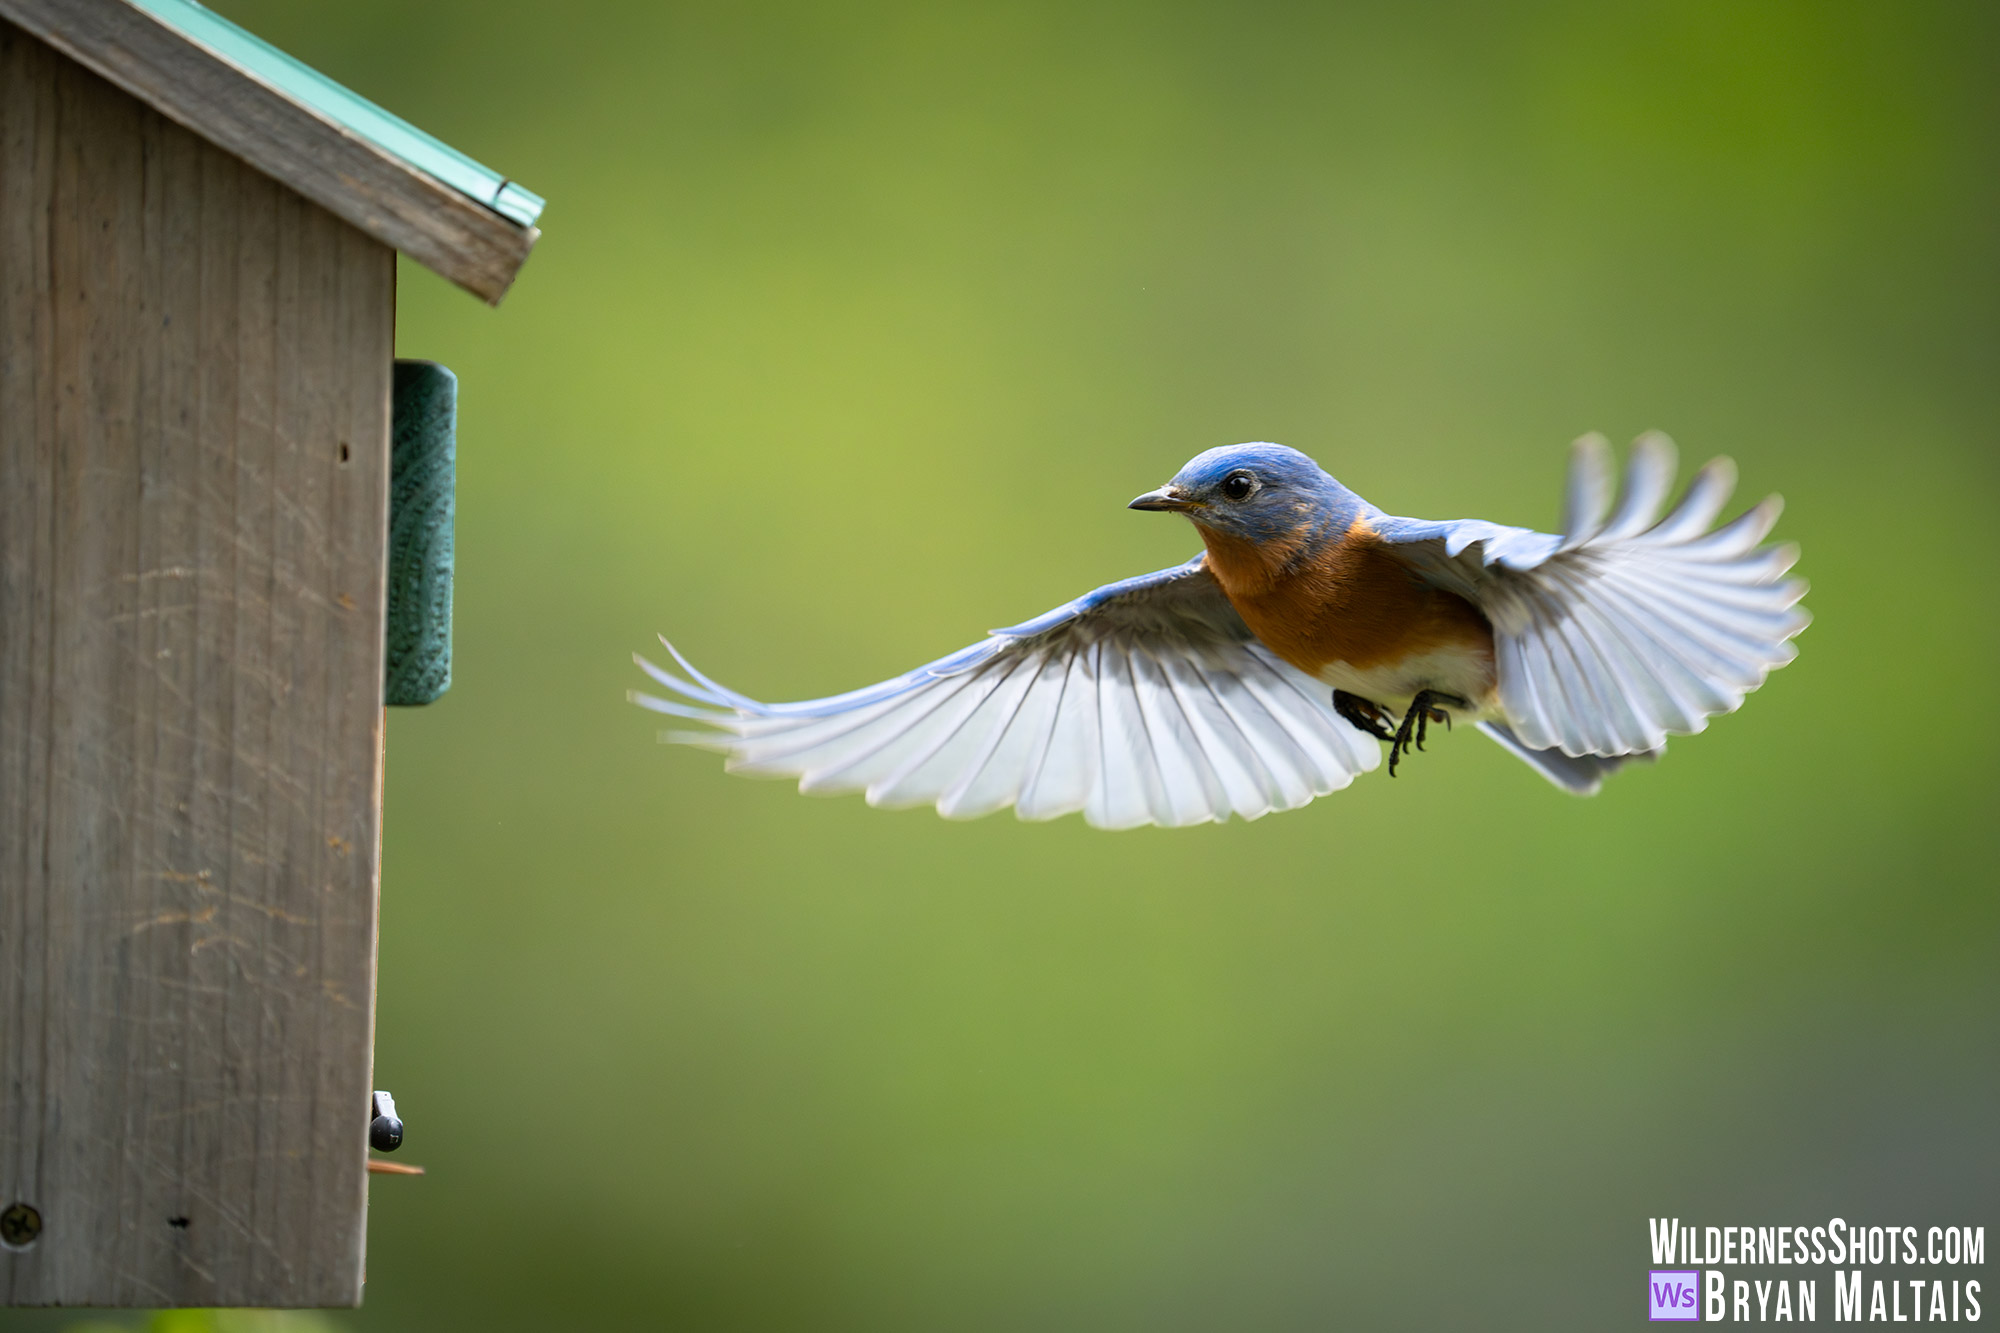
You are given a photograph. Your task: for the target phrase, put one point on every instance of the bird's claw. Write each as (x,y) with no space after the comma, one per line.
(1363,713)
(1415,728)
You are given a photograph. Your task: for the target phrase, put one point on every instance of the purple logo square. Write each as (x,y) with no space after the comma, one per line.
(1673,1294)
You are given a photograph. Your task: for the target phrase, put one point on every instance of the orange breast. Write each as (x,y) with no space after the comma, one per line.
(1350,602)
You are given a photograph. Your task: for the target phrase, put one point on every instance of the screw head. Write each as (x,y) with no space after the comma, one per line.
(19,1225)
(385,1133)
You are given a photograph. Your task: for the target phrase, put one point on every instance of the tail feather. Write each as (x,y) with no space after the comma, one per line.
(1577,775)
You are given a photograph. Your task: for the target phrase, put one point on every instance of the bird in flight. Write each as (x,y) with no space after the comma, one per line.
(1313,627)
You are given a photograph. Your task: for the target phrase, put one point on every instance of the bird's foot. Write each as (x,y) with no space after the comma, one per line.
(1424,709)
(1369,716)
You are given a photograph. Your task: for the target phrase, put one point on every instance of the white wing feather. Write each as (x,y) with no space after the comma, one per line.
(1631,627)
(1145,702)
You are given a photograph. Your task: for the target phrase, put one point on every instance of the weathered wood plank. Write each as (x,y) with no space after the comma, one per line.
(194,398)
(386,197)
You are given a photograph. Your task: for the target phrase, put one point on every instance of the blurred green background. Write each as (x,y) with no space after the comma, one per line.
(853,328)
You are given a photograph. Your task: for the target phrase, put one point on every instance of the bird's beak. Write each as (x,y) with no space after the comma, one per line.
(1165,498)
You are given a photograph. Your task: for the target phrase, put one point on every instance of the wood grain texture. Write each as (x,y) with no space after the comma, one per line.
(351,178)
(194,390)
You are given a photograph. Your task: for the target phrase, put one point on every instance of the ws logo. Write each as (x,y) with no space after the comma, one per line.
(1672,1295)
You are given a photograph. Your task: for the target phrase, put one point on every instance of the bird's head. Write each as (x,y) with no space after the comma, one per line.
(1257,493)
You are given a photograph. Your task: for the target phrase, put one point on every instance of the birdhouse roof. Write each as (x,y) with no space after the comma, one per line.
(382,174)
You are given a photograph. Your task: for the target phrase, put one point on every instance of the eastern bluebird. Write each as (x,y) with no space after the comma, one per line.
(1261,673)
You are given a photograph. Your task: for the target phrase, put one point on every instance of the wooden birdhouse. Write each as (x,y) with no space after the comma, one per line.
(202,614)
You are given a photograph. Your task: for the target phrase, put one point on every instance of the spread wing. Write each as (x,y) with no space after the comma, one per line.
(1631,626)
(1144,702)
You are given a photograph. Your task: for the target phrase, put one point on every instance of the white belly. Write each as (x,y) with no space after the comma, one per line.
(1462,671)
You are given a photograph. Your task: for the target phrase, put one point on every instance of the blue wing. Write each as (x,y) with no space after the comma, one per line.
(1629,626)
(1147,701)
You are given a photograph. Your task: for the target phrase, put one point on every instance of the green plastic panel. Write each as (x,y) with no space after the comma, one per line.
(304,84)
(423,462)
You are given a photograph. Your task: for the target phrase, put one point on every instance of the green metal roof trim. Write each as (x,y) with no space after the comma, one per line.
(306,85)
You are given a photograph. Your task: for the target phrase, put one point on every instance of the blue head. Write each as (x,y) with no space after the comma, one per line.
(1258,493)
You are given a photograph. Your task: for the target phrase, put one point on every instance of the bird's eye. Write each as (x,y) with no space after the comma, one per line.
(1238,485)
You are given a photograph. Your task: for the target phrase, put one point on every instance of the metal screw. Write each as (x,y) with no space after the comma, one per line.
(19,1225)
(385,1130)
